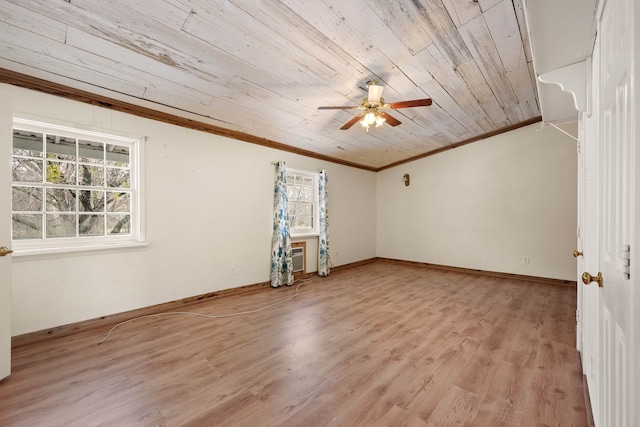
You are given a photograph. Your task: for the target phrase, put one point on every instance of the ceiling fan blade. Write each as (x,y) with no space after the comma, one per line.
(350,123)
(415,103)
(349,107)
(389,119)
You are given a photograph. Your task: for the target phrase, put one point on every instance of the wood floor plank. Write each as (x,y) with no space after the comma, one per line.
(458,407)
(378,344)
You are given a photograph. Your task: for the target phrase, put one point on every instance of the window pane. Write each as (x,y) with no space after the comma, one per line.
(27,143)
(26,170)
(306,195)
(118,202)
(91,201)
(303,222)
(91,175)
(91,225)
(26,199)
(118,155)
(61,172)
(61,147)
(26,226)
(91,152)
(71,187)
(118,178)
(300,192)
(61,200)
(61,225)
(118,224)
(307,209)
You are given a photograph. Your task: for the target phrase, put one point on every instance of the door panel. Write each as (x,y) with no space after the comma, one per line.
(616,177)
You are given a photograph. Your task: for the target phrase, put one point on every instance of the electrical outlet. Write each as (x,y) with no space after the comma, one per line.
(232,270)
(526,260)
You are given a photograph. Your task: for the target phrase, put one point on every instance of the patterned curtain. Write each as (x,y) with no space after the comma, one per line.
(324,262)
(281,264)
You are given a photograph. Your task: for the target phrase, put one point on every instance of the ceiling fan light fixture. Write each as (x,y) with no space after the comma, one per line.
(368,119)
(372,118)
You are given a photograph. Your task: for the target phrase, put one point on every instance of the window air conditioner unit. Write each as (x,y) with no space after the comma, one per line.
(297,256)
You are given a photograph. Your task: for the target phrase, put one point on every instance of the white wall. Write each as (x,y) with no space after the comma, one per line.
(486,206)
(209,204)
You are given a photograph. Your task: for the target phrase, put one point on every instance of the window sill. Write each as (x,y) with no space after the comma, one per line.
(78,250)
(303,236)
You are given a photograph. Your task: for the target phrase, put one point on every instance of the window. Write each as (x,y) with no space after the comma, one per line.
(302,193)
(72,187)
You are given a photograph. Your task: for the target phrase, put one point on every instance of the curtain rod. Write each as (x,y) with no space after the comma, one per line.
(303,169)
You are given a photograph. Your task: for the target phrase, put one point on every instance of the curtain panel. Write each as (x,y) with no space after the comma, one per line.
(281,263)
(324,261)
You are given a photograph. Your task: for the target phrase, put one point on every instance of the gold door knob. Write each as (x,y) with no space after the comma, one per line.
(588,278)
(577,253)
(5,251)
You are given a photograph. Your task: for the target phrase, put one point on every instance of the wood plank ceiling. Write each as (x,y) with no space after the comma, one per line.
(258,70)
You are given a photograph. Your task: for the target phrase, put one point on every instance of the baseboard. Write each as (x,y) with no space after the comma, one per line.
(105,322)
(354,264)
(485,273)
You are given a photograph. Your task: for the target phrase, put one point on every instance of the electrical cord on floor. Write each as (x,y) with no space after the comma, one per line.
(208,316)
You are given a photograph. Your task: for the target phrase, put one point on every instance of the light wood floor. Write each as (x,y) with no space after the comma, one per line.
(382,344)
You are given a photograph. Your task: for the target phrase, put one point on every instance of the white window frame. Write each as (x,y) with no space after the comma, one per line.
(314,231)
(92,243)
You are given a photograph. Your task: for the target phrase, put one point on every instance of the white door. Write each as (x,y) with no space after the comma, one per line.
(588,244)
(5,230)
(616,362)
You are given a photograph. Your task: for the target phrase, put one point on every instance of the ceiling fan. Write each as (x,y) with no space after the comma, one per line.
(371,106)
